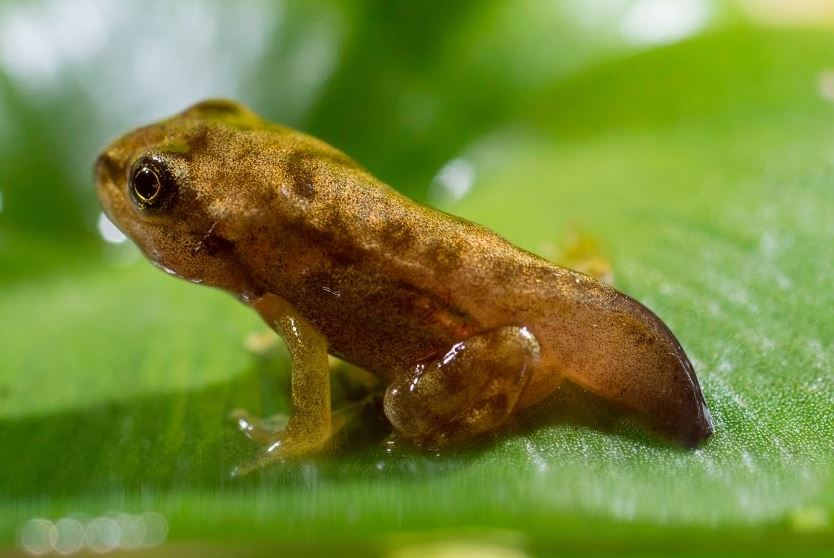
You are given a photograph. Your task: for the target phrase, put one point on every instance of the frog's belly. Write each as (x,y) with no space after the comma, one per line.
(388,325)
(380,324)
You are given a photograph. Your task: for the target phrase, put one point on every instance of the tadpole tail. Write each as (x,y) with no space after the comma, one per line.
(620,350)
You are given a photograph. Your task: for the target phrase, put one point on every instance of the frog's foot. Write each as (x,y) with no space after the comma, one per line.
(470,390)
(263,430)
(266,430)
(280,444)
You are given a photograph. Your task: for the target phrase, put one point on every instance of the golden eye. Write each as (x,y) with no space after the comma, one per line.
(151,185)
(146,184)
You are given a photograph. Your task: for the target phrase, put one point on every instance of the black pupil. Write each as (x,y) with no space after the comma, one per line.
(146,184)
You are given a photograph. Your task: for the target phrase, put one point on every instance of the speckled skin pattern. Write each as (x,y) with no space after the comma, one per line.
(399,288)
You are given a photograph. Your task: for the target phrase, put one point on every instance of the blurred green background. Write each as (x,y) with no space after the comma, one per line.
(693,140)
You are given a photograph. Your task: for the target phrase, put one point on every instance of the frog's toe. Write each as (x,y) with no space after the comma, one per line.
(282,444)
(263,430)
(268,454)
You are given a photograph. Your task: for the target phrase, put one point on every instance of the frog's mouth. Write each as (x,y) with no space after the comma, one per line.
(202,256)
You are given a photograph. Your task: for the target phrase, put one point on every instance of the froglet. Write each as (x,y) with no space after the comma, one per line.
(463,327)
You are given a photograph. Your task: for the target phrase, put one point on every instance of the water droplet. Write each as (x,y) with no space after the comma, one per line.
(109,232)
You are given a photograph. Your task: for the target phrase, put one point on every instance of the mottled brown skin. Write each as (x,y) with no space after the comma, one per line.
(294,227)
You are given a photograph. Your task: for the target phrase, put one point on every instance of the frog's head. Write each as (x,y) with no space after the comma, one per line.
(174,188)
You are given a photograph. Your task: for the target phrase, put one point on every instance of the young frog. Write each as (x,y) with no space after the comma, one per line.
(464,327)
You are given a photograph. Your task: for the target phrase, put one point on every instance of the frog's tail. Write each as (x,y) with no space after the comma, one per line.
(620,350)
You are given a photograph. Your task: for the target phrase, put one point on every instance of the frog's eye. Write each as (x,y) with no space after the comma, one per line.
(150,183)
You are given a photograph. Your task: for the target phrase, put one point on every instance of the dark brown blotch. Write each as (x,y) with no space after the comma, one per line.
(397,236)
(215,245)
(444,255)
(638,335)
(297,165)
(196,143)
(301,165)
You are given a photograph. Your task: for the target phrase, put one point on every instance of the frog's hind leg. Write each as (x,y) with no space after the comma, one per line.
(471,389)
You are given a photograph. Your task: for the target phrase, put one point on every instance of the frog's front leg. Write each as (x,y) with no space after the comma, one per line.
(470,390)
(310,424)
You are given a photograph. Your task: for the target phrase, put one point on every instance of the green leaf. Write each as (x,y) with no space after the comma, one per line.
(706,172)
